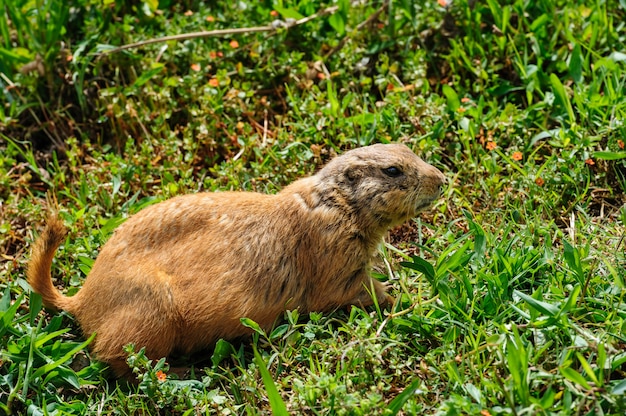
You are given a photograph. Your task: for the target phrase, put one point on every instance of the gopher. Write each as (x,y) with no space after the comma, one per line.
(179,275)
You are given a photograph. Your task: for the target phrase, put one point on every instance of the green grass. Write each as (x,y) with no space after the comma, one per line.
(510,290)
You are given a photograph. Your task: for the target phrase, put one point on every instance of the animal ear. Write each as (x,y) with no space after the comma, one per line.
(351,174)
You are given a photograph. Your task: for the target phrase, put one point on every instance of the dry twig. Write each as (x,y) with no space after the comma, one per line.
(273,27)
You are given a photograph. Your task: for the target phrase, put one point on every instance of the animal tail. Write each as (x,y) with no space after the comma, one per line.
(38,272)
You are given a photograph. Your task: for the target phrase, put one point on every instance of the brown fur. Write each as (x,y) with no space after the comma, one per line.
(180,274)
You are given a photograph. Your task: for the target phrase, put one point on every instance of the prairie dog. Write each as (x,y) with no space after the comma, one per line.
(179,275)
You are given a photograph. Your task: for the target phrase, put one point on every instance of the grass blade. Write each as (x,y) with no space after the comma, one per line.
(572,257)
(6,316)
(609,155)
(276,402)
(575,377)
(576,63)
(422,266)
(545,308)
(451,98)
(562,97)
(396,404)
(51,366)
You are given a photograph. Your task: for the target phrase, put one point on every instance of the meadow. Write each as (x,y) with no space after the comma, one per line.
(510,290)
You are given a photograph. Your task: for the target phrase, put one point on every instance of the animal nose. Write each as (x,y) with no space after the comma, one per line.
(438,178)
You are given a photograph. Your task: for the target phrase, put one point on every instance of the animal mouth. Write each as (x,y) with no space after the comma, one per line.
(425,203)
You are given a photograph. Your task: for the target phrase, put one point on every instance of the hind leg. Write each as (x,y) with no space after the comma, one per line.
(157,336)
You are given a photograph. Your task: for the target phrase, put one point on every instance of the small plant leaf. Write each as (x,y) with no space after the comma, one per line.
(338,23)
(288,13)
(249,323)
(473,391)
(149,74)
(223,349)
(452,98)
(618,56)
(5,302)
(620,388)
(279,331)
(332,99)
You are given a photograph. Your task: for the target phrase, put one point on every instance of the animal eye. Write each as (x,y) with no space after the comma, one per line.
(392,172)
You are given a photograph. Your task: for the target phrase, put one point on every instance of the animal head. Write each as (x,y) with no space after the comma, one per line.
(385,182)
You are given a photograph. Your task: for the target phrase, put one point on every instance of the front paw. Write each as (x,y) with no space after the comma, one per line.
(386,300)
(370,291)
